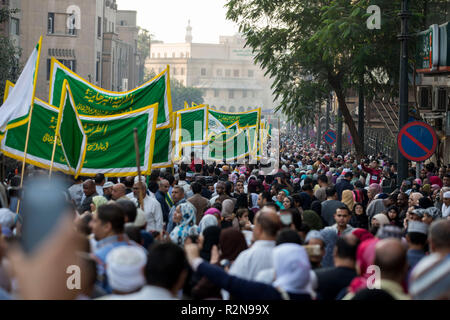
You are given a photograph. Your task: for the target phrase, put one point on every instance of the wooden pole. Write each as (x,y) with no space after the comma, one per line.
(138,164)
(53,156)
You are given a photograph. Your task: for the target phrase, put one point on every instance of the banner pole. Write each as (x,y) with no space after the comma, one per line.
(29,120)
(138,161)
(53,156)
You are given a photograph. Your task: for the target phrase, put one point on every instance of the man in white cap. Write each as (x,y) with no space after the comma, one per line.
(152,207)
(107,190)
(417,239)
(125,270)
(446,205)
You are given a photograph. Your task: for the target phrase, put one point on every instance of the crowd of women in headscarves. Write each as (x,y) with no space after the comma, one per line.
(250,234)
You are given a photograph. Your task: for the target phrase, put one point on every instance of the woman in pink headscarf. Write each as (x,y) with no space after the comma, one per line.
(436,180)
(365,256)
(374,189)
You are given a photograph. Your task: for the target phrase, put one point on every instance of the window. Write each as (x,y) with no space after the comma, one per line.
(235,73)
(49,63)
(153,55)
(51,23)
(165,54)
(203,71)
(227,73)
(15,26)
(71,64)
(122,23)
(216,93)
(241,109)
(219,72)
(251,73)
(173,54)
(222,108)
(182,71)
(231,94)
(244,93)
(181,54)
(232,109)
(97,71)
(99,27)
(174,71)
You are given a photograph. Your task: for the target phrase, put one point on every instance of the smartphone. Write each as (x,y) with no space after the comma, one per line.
(43,204)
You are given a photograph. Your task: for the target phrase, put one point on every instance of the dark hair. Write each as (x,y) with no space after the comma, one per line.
(267,224)
(345,249)
(113,214)
(196,187)
(228,187)
(240,212)
(134,233)
(99,178)
(297,198)
(296,218)
(344,208)
(182,175)
(165,263)
(323,178)
(330,191)
(307,187)
(129,209)
(266,195)
(153,186)
(417,238)
(217,205)
(169,177)
(287,235)
(83,225)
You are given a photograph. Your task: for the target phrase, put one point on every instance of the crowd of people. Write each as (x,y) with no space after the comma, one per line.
(321,226)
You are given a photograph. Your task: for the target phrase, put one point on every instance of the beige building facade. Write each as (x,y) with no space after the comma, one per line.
(225,72)
(81,34)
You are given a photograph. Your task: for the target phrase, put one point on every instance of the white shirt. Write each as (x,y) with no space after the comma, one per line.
(153,212)
(445,211)
(146,293)
(251,261)
(99,190)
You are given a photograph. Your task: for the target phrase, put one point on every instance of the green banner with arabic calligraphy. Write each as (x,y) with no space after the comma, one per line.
(110,142)
(91,100)
(243,119)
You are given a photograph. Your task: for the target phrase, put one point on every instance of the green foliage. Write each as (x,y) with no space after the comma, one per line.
(180,94)
(310,47)
(143,50)
(9,56)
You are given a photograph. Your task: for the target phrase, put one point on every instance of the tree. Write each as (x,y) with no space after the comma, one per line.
(305,44)
(9,56)
(180,94)
(143,50)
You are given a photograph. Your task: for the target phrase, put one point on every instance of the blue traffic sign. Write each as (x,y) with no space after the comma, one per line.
(329,137)
(417,141)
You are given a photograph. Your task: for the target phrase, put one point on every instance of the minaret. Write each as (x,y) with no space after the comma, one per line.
(188,37)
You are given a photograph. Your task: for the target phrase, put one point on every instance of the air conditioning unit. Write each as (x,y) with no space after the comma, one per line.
(425,98)
(440,98)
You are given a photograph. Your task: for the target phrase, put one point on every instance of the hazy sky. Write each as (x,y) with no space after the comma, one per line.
(167,19)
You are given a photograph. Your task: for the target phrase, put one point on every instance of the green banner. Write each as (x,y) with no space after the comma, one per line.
(91,100)
(243,119)
(71,132)
(110,141)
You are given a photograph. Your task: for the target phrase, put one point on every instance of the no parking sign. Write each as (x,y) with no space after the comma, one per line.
(417,141)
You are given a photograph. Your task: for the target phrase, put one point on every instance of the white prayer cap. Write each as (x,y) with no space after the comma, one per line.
(7,218)
(124,268)
(136,179)
(447,195)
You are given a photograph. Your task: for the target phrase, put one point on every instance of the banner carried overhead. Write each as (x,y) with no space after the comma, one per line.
(225,136)
(94,101)
(110,141)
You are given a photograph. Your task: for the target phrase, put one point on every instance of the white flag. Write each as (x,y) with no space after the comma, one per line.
(15,109)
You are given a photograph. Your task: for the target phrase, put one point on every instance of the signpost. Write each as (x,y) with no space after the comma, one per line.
(417,141)
(329,137)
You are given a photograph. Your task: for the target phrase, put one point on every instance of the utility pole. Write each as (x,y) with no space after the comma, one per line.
(403,112)
(318,127)
(327,117)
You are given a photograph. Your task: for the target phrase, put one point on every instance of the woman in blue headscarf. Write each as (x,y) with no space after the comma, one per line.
(280,198)
(184,216)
